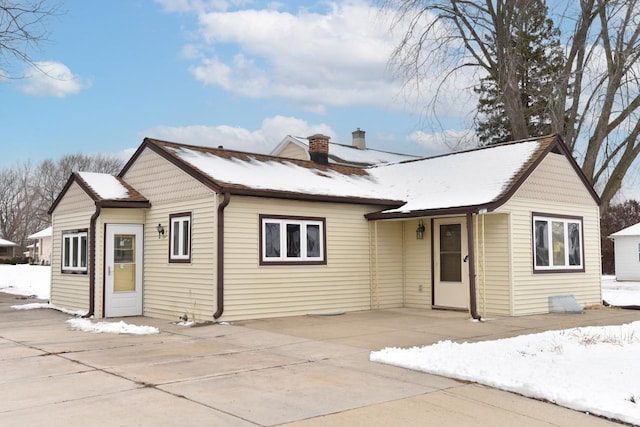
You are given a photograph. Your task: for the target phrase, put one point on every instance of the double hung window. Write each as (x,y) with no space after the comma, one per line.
(180,237)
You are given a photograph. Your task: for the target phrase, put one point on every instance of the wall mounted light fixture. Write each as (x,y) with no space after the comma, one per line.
(160,229)
(420,230)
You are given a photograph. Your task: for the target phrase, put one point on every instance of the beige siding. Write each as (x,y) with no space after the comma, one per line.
(387,264)
(73,212)
(174,289)
(493,284)
(293,151)
(553,188)
(253,291)
(417,262)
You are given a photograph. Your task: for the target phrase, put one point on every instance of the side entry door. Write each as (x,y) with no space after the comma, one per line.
(123,270)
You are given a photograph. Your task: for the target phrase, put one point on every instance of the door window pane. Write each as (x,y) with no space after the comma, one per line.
(451,253)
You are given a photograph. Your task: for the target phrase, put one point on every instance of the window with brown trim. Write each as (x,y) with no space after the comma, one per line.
(292,240)
(557,243)
(180,237)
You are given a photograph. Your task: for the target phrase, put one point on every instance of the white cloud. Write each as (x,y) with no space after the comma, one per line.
(338,57)
(51,78)
(263,140)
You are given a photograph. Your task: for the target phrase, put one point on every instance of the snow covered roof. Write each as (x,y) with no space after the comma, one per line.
(633,230)
(463,181)
(104,189)
(47,232)
(340,154)
(5,243)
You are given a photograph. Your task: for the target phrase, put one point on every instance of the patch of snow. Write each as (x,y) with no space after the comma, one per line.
(38,305)
(620,294)
(633,230)
(106,186)
(26,280)
(120,327)
(586,369)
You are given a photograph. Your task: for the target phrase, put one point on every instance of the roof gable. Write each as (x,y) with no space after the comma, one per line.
(104,190)
(341,154)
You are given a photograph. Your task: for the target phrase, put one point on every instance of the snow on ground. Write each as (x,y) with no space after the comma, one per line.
(30,280)
(27,280)
(591,369)
(111,327)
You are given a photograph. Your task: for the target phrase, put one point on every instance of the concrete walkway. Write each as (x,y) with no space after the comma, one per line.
(299,371)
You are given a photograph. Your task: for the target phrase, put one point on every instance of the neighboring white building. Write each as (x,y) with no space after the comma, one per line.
(42,248)
(627,252)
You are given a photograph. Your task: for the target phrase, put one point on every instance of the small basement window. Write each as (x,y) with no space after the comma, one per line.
(180,237)
(557,244)
(292,240)
(74,252)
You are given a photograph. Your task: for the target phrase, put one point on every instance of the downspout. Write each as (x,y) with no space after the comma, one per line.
(220,270)
(92,260)
(472,269)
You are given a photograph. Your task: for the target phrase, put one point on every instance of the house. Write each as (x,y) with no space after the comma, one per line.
(219,234)
(627,253)
(42,247)
(357,154)
(7,249)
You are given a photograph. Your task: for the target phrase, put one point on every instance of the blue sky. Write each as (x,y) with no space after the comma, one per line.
(242,74)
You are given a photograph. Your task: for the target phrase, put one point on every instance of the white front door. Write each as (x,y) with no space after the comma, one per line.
(451,271)
(123,270)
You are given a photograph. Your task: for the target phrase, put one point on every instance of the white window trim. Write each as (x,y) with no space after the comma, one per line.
(180,219)
(283,258)
(67,264)
(552,267)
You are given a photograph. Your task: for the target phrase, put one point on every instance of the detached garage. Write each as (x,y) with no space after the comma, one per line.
(627,252)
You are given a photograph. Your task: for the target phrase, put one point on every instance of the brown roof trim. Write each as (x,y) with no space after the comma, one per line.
(274,194)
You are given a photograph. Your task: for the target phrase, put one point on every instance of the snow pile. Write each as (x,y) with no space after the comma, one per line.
(111,328)
(620,294)
(37,305)
(586,369)
(27,280)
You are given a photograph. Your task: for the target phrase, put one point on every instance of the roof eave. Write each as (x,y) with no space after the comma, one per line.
(288,195)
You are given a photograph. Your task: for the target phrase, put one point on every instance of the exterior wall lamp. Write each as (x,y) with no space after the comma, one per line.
(160,229)
(420,230)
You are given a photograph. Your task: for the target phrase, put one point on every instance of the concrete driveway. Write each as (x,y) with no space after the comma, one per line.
(298,371)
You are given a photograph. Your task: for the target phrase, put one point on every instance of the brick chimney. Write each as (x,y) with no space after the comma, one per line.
(319,148)
(358,140)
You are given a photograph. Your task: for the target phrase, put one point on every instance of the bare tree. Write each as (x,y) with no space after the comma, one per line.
(596,105)
(27,192)
(22,28)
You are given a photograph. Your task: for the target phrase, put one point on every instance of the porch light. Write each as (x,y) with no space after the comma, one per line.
(420,231)
(160,229)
